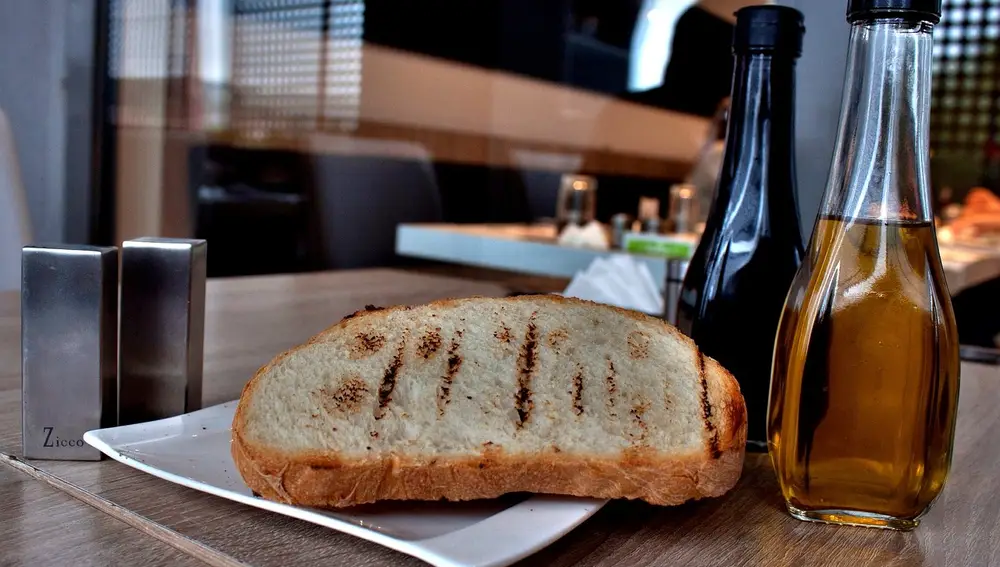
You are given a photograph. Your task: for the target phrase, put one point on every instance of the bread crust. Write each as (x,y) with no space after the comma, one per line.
(318,481)
(329,481)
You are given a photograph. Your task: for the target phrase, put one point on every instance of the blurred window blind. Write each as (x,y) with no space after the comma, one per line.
(965,108)
(276,64)
(149,50)
(296,64)
(147,39)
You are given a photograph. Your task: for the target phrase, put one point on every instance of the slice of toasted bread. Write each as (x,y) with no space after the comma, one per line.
(474,398)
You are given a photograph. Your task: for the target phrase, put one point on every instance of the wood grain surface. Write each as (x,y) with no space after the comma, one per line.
(252,319)
(43,526)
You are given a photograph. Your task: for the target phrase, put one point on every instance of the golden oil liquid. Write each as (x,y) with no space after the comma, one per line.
(864,386)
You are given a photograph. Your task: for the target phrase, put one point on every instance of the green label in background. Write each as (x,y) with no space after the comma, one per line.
(666,248)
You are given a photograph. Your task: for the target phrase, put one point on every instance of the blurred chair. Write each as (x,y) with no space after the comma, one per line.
(256,208)
(15,224)
(365,188)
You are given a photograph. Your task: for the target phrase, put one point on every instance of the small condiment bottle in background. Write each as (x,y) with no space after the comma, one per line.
(621,224)
(683,215)
(649,215)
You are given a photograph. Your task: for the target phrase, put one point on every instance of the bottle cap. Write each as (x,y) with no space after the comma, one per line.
(768,29)
(929,10)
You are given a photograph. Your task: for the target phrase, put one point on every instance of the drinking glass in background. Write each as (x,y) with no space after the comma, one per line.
(577,202)
(684,208)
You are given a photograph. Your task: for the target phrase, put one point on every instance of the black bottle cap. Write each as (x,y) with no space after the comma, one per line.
(769,29)
(929,10)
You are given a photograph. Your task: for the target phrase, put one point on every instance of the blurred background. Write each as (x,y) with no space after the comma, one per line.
(299,135)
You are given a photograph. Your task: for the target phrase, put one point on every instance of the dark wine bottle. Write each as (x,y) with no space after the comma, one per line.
(737,280)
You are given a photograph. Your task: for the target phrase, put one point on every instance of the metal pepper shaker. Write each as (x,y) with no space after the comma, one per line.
(162,327)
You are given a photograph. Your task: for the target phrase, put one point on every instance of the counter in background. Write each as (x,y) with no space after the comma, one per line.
(512,247)
(533,250)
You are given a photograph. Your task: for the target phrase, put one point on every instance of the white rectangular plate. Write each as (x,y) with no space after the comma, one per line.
(193,450)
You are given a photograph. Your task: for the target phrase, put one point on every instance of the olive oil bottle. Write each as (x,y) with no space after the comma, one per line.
(865,375)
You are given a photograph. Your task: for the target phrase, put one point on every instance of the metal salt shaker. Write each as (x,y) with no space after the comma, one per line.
(69,345)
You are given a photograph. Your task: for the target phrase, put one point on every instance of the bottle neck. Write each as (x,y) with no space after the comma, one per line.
(881,168)
(760,141)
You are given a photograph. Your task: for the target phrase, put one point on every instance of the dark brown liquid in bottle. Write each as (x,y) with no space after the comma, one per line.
(737,280)
(865,377)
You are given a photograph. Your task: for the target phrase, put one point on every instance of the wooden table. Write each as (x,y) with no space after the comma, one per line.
(65,513)
(43,525)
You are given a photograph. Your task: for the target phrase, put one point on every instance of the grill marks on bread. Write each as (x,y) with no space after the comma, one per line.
(366,344)
(388,383)
(454,364)
(638,345)
(706,410)
(577,391)
(503,334)
(611,382)
(337,403)
(527,363)
(629,407)
(429,343)
(637,411)
(556,338)
(348,397)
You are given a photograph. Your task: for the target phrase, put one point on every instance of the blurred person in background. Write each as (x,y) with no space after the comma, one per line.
(705,173)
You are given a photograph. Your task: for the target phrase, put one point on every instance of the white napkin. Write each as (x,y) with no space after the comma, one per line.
(590,236)
(618,280)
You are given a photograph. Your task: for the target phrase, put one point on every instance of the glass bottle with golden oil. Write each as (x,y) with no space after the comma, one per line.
(865,375)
